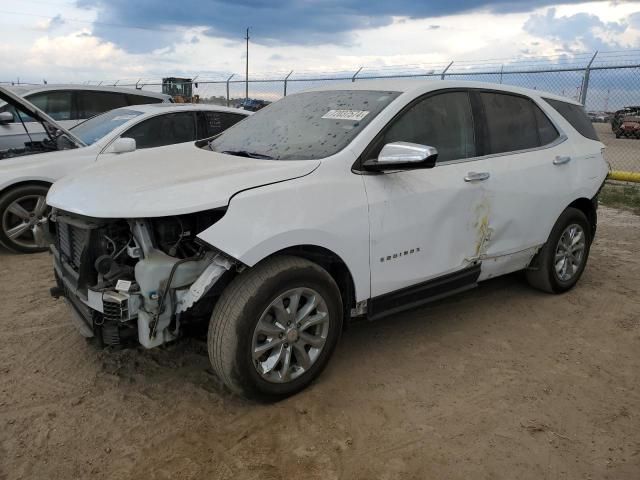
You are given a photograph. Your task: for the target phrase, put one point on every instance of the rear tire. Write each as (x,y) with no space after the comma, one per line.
(559,264)
(263,342)
(23,218)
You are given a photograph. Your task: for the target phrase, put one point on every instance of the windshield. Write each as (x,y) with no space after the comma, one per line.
(92,130)
(305,126)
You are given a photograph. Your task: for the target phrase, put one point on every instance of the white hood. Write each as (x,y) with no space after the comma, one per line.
(173,180)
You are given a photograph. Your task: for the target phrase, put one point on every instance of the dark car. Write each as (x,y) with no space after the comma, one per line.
(253,105)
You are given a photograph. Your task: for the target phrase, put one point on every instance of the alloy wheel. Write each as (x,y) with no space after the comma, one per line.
(24,221)
(290,335)
(569,253)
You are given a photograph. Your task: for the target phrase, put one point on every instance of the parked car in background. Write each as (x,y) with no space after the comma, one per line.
(630,127)
(66,104)
(352,200)
(253,105)
(618,116)
(598,117)
(25,179)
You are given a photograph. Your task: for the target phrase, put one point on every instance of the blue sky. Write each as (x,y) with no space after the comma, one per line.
(73,40)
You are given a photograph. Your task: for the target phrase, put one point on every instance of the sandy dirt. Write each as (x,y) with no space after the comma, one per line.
(502,382)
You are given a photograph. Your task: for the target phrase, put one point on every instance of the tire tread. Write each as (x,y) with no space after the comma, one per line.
(540,276)
(221,341)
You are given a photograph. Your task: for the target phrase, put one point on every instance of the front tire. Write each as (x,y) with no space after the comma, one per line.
(275,327)
(23,218)
(559,264)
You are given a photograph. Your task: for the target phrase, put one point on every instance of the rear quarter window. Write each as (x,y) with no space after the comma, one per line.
(92,102)
(576,116)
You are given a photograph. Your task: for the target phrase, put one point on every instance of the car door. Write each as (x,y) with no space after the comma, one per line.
(13,134)
(161,130)
(58,104)
(428,223)
(528,186)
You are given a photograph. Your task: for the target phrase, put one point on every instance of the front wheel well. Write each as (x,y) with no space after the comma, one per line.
(588,207)
(333,264)
(24,183)
(323,257)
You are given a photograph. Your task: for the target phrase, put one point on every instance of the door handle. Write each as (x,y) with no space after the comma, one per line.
(561,160)
(476,176)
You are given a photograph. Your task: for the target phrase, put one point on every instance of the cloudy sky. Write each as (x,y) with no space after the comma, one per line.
(78,40)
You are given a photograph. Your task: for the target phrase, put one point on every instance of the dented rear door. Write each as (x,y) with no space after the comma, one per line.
(532,179)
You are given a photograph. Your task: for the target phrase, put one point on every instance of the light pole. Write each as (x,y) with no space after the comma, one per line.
(246,74)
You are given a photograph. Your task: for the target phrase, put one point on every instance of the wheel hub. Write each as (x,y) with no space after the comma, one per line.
(290,335)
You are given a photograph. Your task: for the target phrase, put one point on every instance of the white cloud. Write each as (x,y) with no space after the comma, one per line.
(71,52)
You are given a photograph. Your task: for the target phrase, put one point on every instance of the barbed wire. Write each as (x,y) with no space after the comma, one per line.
(522,64)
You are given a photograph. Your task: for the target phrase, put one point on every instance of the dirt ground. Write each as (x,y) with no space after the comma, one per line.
(621,153)
(502,382)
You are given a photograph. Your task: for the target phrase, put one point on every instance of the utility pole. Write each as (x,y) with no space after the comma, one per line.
(246,73)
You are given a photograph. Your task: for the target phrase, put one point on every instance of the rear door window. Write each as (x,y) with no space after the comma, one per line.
(163,130)
(510,123)
(443,121)
(92,103)
(57,104)
(576,116)
(212,123)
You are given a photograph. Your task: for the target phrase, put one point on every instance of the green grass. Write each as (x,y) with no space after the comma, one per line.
(621,195)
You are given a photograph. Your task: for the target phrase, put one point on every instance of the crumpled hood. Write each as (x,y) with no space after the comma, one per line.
(166,181)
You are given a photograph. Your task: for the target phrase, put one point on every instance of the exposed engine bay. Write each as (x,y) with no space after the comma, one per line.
(56,141)
(29,149)
(136,278)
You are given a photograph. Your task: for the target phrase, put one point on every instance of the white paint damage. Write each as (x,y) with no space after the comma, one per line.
(212,273)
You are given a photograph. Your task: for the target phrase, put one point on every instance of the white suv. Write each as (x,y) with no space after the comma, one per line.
(66,104)
(357,200)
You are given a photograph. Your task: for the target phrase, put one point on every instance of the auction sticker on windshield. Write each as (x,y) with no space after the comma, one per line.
(354,115)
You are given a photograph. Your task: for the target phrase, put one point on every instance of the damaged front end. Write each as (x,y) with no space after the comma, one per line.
(136,278)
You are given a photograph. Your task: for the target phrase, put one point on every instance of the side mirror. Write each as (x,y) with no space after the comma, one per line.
(403,156)
(123,145)
(6,117)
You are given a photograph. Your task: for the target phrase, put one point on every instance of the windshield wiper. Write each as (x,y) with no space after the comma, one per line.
(244,153)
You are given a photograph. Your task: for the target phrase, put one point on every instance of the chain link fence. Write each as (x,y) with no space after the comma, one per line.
(608,84)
